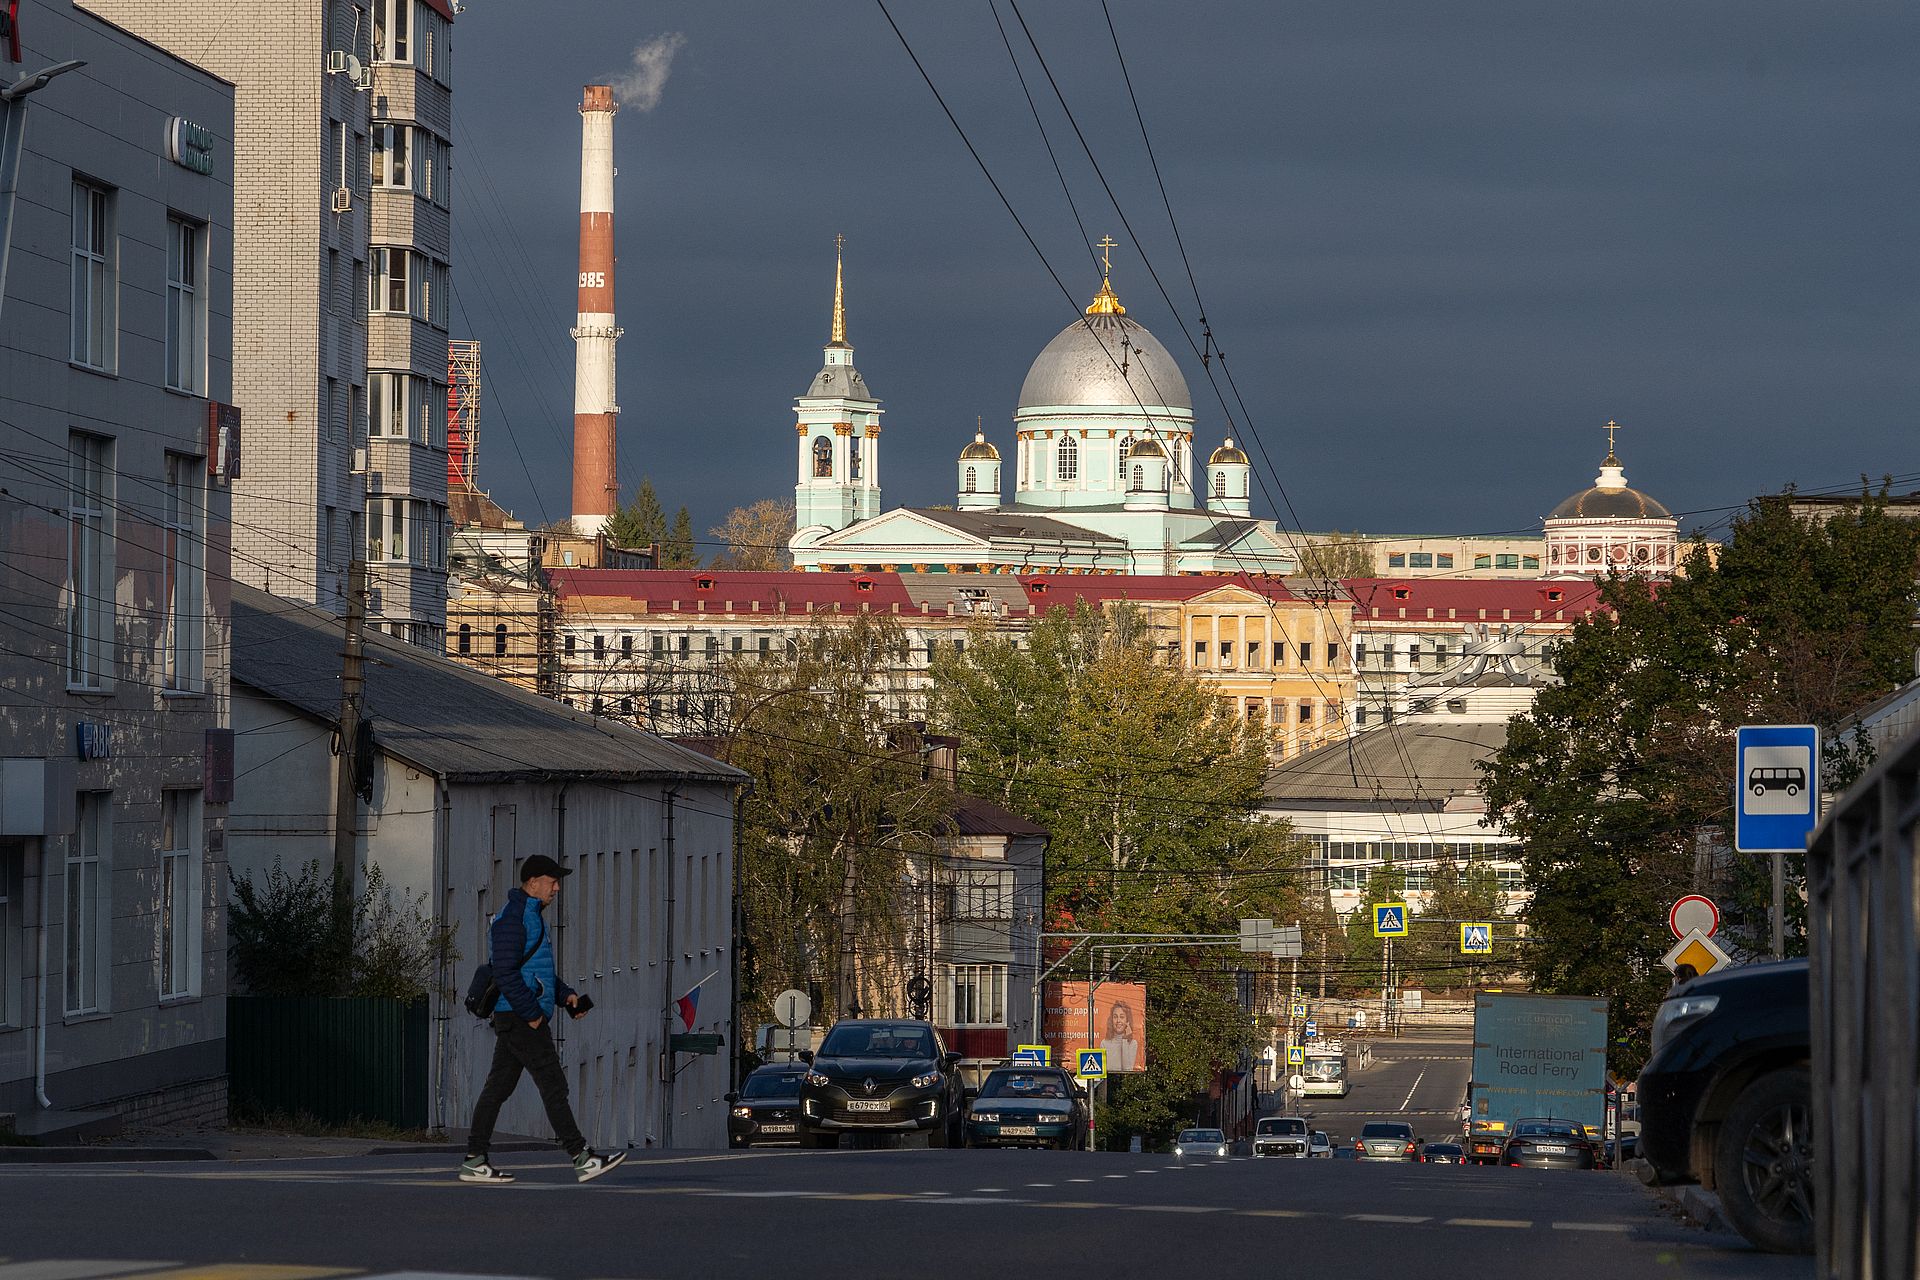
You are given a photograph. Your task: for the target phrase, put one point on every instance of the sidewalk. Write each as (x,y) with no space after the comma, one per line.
(173,1144)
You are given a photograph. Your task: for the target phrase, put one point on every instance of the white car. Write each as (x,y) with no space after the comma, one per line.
(1282,1136)
(1200,1142)
(1319,1146)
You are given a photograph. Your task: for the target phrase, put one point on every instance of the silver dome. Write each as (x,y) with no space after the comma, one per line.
(1081,367)
(839,382)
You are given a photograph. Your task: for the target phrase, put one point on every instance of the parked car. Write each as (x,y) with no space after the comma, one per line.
(1386,1140)
(1319,1146)
(766,1110)
(1725,1099)
(1028,1107)
(882,1076)
(1200,1142)
(1282,1136)
(1443,1153)
(1545,1143)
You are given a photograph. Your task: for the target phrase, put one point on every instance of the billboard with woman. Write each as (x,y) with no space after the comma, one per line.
(1116,1023)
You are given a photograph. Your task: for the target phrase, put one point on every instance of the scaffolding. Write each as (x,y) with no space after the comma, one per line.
(463,415)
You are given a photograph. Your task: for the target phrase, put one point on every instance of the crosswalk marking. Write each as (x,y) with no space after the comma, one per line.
(1487,1222)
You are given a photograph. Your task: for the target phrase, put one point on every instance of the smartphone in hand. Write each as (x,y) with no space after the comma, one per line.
(581,1004)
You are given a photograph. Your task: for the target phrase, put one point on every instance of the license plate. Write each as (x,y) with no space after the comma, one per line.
(776,1128)
(1017,1131)
(866,1104)
(1552,1151)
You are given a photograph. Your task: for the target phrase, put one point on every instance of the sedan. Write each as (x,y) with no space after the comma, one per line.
(1200,1142)
(1549,1144)
(1319,1146)
(1443,1153)
(1028,1107)
(766,1111)
(1387,1140)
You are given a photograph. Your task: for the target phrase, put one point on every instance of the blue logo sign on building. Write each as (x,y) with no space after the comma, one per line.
(1777,781)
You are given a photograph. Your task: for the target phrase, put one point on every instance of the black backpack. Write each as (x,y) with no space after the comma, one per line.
(483,992)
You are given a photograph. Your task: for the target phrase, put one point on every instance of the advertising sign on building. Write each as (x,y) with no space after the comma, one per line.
(1114,1020)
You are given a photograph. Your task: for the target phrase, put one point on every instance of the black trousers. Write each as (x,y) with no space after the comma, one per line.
(518,1047)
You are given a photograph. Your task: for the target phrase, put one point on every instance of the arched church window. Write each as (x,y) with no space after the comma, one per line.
(1139,477)
(500,639)
(1068,459)
(973,482)
(1219,484)
(466,638)
(822,456)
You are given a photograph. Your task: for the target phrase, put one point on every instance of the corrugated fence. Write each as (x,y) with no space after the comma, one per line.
(338,1060)
(1863,893)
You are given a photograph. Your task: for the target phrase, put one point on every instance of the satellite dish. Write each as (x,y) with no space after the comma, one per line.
(353,68)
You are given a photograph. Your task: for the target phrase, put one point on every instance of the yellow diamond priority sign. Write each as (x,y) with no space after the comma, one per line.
(1698,950)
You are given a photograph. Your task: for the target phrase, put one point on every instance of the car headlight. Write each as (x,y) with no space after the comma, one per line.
(743,1113)
(1677,1013)
(986,1117)
(817,1080)
(1220,1151)
(926,1081)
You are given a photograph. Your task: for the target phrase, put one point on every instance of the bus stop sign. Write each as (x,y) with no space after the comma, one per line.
(1777,787)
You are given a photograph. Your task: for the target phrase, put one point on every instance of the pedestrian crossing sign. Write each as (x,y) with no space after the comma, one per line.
(1476,939)
(1033,1055)
(1296,1056)
(1299,1009)
(1093,1064)
(1389,919)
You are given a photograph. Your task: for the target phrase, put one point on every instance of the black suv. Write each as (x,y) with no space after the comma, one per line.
(767,1108)
(882,1076)
(1725,1100)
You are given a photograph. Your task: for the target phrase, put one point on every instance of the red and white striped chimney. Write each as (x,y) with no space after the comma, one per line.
(596,486)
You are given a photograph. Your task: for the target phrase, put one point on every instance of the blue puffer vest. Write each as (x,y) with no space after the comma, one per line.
(531,989)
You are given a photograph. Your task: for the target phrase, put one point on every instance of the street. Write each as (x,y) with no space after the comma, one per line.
(868,1213)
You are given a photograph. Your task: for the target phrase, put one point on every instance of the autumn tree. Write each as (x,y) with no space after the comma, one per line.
(1338,555)
(756,537)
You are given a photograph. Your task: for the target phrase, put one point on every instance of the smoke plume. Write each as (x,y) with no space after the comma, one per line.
(641,87)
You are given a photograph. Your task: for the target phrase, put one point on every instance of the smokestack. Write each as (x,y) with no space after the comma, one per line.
(596,487)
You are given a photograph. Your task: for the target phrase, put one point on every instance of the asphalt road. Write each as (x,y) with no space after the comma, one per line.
(858,1214)
(1419,1081)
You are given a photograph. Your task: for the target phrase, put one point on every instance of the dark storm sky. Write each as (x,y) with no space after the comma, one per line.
(1440,244)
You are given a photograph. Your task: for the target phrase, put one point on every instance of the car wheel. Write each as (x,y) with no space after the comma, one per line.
(941,1135)
(1763,1163)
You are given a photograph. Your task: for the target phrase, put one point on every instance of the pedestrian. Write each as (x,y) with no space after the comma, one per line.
(520,949)
(1683,974)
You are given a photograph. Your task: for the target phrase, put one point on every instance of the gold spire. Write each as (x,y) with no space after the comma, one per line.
(1611,461)
(839,297)
(1106,302)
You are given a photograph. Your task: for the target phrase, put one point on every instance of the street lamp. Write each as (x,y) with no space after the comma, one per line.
(34,81)
(13,128)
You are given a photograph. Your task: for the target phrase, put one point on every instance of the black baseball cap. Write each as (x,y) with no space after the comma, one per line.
(541,865)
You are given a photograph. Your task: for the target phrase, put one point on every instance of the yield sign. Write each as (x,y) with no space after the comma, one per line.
(1698,950)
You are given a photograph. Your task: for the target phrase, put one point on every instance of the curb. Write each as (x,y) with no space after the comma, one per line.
(1698,1206)
(455,1148)
(101,1155)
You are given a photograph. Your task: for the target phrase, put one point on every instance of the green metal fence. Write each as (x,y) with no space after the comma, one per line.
(340,1061)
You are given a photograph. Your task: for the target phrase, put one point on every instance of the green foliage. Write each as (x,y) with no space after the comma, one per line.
(1150,796)
(679,551)
(1619,780)
(303,935)
(1338,555)
(641,522)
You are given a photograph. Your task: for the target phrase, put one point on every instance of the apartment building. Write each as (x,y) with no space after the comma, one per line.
(118,450)
(343,113)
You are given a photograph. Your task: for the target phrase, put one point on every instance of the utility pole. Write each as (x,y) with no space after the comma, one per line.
(346,807)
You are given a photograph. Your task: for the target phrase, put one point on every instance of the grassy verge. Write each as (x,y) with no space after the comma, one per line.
(250,1120)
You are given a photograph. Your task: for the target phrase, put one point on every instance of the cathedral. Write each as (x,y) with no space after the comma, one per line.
(1103,471)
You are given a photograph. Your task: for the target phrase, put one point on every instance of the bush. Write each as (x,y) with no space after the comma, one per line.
(307,935)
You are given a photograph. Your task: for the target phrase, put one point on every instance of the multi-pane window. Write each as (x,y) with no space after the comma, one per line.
(390,156)
(979,995)
(89,560)
(94,287)
(1506,562)
(186,306)
(392,272)
(13,931)
(183,566)
(180,890)
(387,525)
(983,893)
(88,862)
(1067,459)
(1444,560)
(393,30)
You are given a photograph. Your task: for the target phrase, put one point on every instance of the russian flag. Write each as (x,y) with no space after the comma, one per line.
(687,1005)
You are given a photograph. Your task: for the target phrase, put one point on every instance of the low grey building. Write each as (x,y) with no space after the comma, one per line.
(471,775)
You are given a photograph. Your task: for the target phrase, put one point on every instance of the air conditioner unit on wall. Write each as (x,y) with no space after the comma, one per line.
(342,199)
(360,458)
(336,61)
(364,80)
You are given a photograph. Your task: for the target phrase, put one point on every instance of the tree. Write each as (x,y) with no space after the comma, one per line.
(1338,555)
(1618,779)
(678,551)
(1456,895)
(641,522)
(1151,797)
(756,537)
(304,935)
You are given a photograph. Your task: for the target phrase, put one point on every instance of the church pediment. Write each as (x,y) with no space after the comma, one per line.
(903,528)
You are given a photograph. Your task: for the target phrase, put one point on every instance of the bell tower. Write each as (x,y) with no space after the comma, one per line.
(837,478)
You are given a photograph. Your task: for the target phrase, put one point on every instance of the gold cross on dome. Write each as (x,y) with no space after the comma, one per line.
(1106,245)
(839,242)
(1612,427)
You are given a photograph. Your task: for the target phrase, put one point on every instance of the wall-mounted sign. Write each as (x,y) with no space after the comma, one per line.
(10,29)
(189,145)
(223,440)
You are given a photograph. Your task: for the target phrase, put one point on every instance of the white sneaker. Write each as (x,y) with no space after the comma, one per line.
(476,1169)
(589,1164)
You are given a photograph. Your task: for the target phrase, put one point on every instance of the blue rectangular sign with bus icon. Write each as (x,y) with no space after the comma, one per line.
(1777,785)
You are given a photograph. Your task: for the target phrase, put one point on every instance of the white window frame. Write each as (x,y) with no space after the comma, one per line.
(393,156)
(387,532)
(393,28)
(94,296)
(983,893)
(87,890)
(186,305)
(977,995)
(1067,460)
(381,271)
(183,561)
(90,562)
(182,934)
